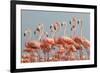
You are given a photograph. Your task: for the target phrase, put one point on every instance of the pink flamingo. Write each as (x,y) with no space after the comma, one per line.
(74,24)
(80,40)
(55,28)
(65,41)
(61,52)
(46,45)
(46,42)
(43,44)
(69,45)
(31,45)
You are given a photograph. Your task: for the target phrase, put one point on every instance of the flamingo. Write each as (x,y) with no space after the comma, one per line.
(74,25)
(40,31)
(61,52)
(65,41)
(27,33)
(55,28)
(46,42)
(46,45)
(43,44)
(84,43)
(31,44)
(69,44)
(68,41)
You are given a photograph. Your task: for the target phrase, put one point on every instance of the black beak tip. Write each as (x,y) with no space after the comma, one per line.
(61,24)
(34,32)
(50,27)
(47,35)
(24,34)
(70,22)
(71,29)
(78,22)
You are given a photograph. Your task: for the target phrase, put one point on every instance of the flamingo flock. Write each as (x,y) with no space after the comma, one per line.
(56,48)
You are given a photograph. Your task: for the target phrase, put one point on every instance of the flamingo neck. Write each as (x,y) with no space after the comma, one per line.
(65,29)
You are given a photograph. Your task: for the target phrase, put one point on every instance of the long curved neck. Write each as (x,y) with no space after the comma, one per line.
(81,28)
(65,26)
(53,34)
(30,35)
(41,32)
(40,36)
(74,27)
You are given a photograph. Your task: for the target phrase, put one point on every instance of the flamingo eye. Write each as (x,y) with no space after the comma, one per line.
(47,35)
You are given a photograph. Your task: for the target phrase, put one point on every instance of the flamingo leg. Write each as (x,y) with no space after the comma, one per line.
(48,56)
(88,53)
(39,55)
(45,57)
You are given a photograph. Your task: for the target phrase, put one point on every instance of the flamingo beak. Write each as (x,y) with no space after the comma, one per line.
(47,35)
(34,32)
(78,22)
(50,27)
(70,22)
(61,24)
(71,28)
(24,34)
